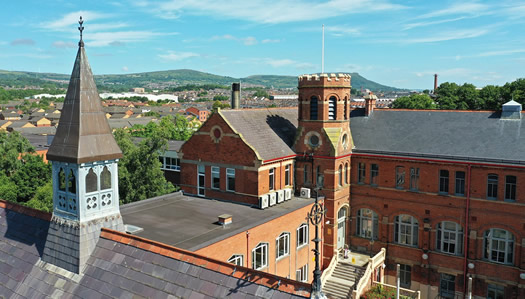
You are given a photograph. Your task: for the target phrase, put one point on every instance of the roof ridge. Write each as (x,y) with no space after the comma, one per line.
(262,278)
(18,208)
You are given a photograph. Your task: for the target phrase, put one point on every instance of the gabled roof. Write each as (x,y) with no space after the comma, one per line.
(83,134)
(123,266)
(269,131)
(464,135)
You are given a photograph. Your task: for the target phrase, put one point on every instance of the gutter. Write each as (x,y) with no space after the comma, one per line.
(465,242)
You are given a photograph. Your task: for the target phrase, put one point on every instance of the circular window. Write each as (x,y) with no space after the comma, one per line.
(345,140)
(314,140)
(217,133)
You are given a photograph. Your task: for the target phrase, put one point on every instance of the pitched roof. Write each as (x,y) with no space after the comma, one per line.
(270,131)
(123,266)
(83,134)
(464,135)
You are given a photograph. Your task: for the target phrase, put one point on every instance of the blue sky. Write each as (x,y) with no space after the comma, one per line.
(393,42)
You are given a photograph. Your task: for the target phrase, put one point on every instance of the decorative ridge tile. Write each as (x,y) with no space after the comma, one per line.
(25,210)
(261,278)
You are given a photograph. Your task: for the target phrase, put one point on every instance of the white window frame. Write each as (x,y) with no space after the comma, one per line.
(492,186)
(301,274)
(215,174)
(495,291)
(492,244)
(263,248)
(170,166)
(405,273)
(406,233)
(510,188)
(282,240)
(447,280)
(367,226)
(271,179)
(287,177)
(302,230)
(447,238)
(230,174)
(236,259)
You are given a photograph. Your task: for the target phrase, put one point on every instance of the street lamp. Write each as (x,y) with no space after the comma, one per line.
(316,216)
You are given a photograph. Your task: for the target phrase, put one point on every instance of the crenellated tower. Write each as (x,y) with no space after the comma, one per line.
(324,143)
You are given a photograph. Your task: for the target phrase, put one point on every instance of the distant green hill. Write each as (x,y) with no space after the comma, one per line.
(165,79)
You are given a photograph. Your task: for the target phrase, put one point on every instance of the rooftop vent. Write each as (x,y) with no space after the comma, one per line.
(132,229)
(511,110)
(225,219)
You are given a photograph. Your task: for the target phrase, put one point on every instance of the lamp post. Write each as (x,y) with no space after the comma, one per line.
(316,216)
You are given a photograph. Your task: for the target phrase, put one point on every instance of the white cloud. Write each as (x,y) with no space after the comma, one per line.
(270,41)
(276,63)
(62,44)
(117,38)
(446,36)
(23,42)
(458,72)
(125,69)
(65,23)
(264,11)
(423,24)
(177,56)
(501,53)
(461,8)
(342,30)
(247,41)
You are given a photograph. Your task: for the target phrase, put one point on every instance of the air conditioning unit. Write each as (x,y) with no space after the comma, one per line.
(280,196)
(305,192)
(273,198)
(287,194)
(263,201)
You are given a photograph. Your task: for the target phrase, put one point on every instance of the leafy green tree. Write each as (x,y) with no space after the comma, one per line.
(219,104)
(468,98)
(43,199)
(447,96)
(32,174)
(220,98)
(414,101)
(490,95)
(12,145)
(140,176)
(7,188)
(261,93)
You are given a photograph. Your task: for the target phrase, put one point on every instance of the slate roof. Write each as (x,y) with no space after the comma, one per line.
(122,266)
(464,135)
(83,134)
(269,131)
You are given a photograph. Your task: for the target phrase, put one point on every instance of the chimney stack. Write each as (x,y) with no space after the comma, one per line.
(435,83)
(370,103)
(236,95)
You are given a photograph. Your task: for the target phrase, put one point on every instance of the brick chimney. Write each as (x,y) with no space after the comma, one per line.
(370,103)
(435,83)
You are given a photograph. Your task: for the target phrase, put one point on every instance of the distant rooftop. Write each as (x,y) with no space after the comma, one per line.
(191,222)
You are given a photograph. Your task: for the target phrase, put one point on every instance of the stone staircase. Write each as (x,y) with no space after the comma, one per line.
(341,283)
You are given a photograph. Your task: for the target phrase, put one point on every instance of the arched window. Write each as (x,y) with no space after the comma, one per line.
(449,237)
(346,173)
(105,179)
(406,230)
(62,180)
(313,108)
(499,246)
(332,108)
(341,214)
(260,256)
(72,182)
(340,175)
(367,224)
(91,181)
(345,110)
(302,235)
(282,245)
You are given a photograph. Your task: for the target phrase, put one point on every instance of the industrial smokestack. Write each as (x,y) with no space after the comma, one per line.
(435,83)
(236,95)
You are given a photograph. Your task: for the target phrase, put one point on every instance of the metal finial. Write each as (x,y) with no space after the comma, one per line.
(81,28)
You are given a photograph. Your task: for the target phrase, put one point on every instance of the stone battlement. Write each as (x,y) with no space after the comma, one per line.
(325,79)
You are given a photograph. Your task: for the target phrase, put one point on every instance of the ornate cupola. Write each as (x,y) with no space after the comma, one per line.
(84,158)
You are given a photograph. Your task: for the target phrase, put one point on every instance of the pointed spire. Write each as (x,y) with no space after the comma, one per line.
(83,134)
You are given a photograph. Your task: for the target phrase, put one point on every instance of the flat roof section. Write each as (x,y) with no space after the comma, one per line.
(191,223)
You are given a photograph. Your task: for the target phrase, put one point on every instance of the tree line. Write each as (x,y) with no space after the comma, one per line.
(451,96)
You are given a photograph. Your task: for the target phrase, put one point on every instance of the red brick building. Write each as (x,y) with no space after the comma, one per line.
(440,190)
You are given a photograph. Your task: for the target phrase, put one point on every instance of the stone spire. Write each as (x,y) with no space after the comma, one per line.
(83,134)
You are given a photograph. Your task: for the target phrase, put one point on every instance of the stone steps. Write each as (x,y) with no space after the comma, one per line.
(340,284)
